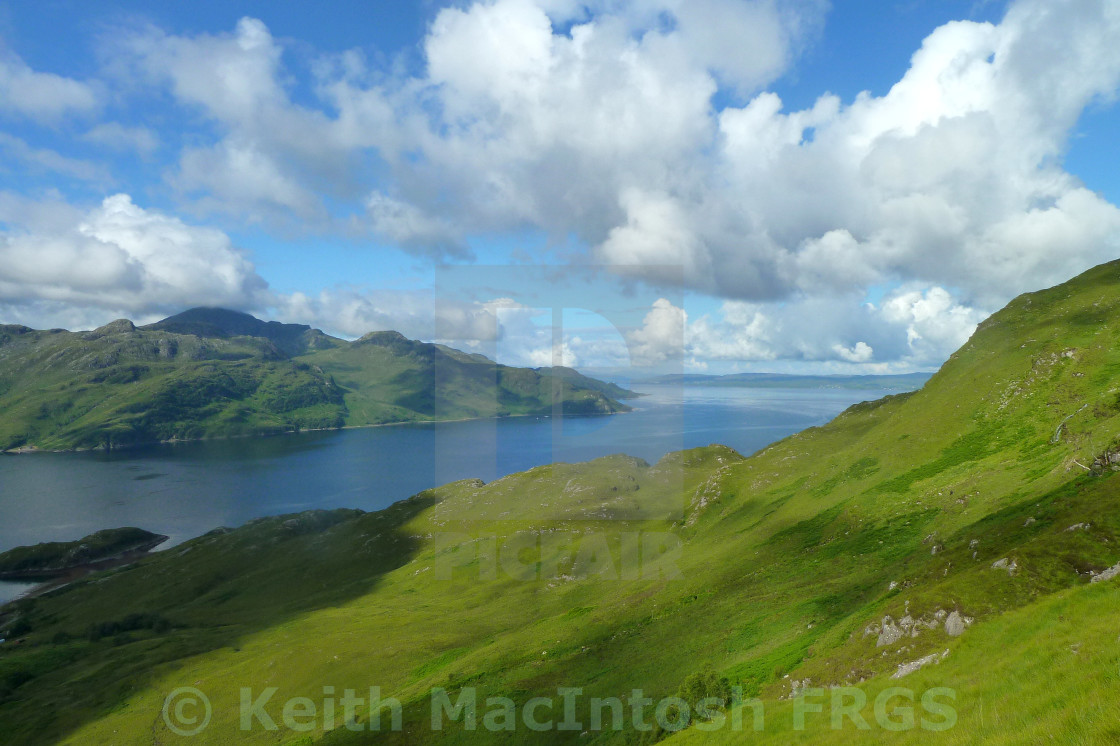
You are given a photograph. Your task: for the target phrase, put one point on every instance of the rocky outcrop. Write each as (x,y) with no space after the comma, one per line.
(956,624)
(797,688)
(1010,565)
(1108,574)
(889,631)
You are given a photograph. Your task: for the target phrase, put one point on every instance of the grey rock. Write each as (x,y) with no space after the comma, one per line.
(889,633)
(1006,564)
(1108,574)
(955,625)
(909,668)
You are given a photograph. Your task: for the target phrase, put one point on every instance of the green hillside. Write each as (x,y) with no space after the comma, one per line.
(217,373)
(946,539)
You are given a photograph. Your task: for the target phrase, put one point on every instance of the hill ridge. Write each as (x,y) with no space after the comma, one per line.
(214,372)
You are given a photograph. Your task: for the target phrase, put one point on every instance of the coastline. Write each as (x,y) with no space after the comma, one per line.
(28,450)
(51,580)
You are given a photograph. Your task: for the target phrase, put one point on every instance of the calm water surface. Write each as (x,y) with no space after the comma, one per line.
(186,489)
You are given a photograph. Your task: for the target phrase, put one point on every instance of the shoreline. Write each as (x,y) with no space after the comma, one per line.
(46,581)
(28,450)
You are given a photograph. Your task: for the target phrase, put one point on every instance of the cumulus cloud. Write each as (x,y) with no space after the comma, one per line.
(661,337)
(935,325)
(596,119)
(912,329)
(505,127)
(860,352)
(509,331)
(234,173)
(118,256)
(352,311)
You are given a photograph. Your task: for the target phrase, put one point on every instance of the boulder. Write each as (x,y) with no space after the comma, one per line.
(956,624)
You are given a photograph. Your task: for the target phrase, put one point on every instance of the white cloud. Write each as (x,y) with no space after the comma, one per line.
(559,354)
(661,338)
(119,256)
(407,225)
(512,124)
(861,352)
(935,324)
(273,158)
(233,173)
(34,159)
(914,328)
(930,182)
(41,96)
(116,136)
(609,132)
(741,332)
(354,311)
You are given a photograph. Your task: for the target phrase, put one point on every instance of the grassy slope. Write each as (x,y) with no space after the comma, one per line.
(120,385)
(787,559)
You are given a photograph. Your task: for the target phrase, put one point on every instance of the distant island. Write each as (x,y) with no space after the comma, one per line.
(213,372)
(905,381)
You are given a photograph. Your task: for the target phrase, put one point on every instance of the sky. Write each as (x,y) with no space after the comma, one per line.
(706,185)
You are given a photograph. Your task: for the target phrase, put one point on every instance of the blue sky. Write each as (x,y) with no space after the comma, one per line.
(725,184)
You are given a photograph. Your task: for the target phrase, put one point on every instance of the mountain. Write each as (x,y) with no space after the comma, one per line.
(221,323)
(904,381)
(211,372)
(949,555)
